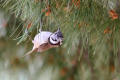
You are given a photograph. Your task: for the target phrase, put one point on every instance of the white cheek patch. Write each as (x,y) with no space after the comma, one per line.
(54,42)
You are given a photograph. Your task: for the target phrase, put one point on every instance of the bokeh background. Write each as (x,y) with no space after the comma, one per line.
(91,46)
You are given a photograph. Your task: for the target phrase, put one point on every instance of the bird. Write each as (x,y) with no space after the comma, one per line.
(46,40)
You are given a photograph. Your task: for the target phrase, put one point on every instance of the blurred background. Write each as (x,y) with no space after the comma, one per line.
(91,46)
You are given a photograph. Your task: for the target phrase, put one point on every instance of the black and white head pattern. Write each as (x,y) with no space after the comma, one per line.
(56,38)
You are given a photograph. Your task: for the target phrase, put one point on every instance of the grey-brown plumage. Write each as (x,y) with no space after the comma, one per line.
(46,40)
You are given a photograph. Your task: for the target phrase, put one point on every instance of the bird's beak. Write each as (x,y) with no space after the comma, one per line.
(61,42)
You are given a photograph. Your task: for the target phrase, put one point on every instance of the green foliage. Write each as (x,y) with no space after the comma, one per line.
(87,27)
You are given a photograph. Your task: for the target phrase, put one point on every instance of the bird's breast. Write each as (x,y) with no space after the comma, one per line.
(45,47)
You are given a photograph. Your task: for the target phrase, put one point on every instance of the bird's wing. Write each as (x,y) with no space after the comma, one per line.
(41,38)
(28,53)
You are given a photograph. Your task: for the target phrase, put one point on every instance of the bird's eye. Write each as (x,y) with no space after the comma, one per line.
(54,39)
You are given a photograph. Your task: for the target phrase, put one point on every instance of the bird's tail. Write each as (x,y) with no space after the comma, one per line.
(30,52)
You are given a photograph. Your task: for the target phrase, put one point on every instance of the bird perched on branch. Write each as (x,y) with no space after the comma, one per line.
(46,40)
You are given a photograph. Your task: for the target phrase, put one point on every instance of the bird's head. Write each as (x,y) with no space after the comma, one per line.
(56,38)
